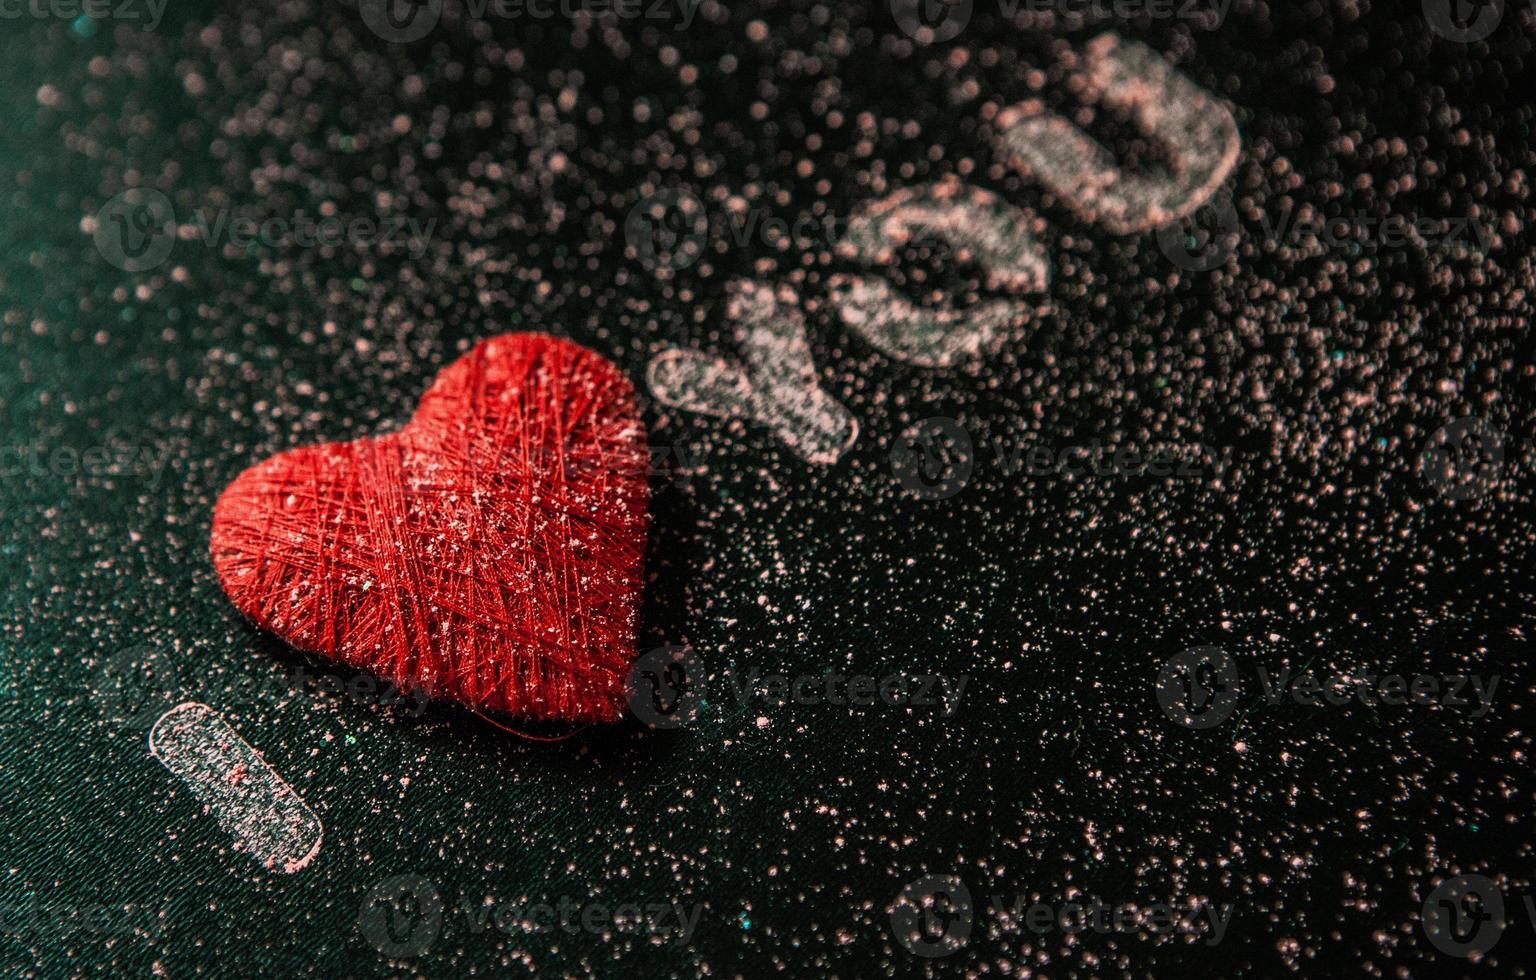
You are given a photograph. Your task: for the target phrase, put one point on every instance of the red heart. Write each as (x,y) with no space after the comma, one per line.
(490,551)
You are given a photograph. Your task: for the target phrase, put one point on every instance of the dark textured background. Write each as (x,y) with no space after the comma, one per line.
(527,142)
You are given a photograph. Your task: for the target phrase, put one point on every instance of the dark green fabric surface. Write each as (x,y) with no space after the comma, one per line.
(794,827)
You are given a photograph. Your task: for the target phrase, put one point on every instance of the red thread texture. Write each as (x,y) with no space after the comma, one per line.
(490,552)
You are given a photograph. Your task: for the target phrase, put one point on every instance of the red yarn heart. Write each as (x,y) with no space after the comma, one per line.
(489,552)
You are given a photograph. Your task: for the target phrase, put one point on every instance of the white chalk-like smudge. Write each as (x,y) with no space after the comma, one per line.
(981,228)
(939,337)
(979,225)
(1197,129)
(773,384)
(250,800)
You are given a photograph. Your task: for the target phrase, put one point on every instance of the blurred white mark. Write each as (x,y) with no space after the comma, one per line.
(1198,131)
(774,383)
(976,222)
(251,801)
(939,337)
(982,229)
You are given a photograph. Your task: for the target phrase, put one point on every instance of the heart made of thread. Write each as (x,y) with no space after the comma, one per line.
(490,552)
